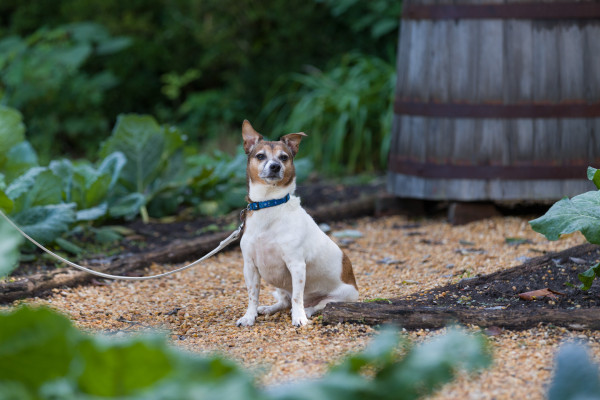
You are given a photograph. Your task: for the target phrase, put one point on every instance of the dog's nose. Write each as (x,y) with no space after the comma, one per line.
(275,167)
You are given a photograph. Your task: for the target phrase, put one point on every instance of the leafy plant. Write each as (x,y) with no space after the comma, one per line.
(346,111)
(42,356)
(154,157)
(581,213)
(88,187)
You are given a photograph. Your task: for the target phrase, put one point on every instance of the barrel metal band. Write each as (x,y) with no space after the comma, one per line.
(562,10)
(431,170)
(470,110)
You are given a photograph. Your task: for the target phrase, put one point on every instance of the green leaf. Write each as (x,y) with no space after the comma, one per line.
(112,165)
(68,246)
(581,213)
(587,277)
(121,369)
(576,376)
(142,141)
(64,170)
(92,214)
(10,240)
(36,346)
(433,363)
(594,175)
(19,159)
(46,223)
(37,187)
(6,204)
(127,206)
(12,131)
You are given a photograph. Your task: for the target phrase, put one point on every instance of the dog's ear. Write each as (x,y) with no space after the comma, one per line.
(292,140)
(251,137)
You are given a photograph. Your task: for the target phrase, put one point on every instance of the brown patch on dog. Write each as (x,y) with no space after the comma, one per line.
(314,300)
(292,140)
(347,272)
(251,137)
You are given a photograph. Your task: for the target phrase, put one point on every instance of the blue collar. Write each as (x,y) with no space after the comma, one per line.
(258,205)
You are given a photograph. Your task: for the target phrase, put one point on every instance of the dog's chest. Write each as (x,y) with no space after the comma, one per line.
(268,256)
(267,241)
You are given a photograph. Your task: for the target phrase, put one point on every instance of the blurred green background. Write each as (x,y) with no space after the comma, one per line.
(112,110)
(325,67)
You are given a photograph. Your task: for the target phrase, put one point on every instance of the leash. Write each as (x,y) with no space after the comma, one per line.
(234,235)
(254,206)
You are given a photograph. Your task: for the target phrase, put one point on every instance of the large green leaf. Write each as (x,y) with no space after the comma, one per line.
(10,240)
(6,204)
(120,369)
(19,159)
(142,141)
(46,223)
(36,346)
(93,213)
(64,170)
(12,131)
(581,213)
(113,165)
(37,187)
(127,206)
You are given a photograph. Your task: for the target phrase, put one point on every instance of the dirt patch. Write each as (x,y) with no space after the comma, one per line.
(542,290)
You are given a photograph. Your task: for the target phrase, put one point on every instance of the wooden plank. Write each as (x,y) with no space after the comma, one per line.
(546,62)
(461,65)
(439,86)
(416,84)
(570,66)
(404,42)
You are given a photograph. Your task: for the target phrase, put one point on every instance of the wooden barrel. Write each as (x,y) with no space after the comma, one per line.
(496,101)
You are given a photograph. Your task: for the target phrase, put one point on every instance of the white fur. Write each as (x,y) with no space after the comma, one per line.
(284,245)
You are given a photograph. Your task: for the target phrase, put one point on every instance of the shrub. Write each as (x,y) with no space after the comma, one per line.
(42,76)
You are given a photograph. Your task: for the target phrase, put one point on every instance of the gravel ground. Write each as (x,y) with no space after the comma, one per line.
(396,257)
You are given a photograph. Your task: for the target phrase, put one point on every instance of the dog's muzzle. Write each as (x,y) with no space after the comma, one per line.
(272,171)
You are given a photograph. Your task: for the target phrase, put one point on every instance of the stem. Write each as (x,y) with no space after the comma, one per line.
(144,212)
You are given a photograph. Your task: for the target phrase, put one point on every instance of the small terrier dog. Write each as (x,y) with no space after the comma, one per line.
(281,242)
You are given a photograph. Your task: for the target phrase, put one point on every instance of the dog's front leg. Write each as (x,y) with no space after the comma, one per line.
(298,273)
(252,278)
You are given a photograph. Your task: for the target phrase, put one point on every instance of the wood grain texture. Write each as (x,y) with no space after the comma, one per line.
(496,62)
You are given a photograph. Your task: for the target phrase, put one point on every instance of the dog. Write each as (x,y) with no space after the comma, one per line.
(281,243)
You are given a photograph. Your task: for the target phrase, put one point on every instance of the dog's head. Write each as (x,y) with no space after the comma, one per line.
(270,162)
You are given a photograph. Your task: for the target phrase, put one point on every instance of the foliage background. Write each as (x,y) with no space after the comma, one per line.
(204,65)
(113,110)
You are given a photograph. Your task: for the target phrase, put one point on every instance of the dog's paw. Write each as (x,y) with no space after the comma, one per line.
(265,310)
(299,320)
(246,320)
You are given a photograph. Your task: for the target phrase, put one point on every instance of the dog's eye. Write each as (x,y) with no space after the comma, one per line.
(261,156)
(283,157)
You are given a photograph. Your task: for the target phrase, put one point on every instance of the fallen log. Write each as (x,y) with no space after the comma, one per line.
(430,311)
(411,318)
